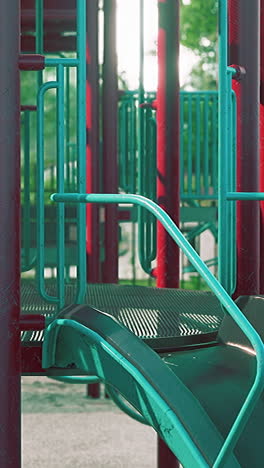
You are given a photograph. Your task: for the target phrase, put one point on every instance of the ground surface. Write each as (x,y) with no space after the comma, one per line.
(64,429)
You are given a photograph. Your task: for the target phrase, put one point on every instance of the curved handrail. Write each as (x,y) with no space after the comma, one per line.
(121,403)
(75,379)
(224,298)
(40,190)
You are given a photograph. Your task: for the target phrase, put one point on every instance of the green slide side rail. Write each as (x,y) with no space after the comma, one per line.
(104,347)
(224,298)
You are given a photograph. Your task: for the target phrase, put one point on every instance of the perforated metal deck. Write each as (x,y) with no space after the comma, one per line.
(164,318)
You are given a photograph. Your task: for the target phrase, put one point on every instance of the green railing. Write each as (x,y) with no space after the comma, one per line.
(28,259)
(138,162)
(230,307)
(61,87)
(137,151)
(226,161)
(137,155)
(198,145)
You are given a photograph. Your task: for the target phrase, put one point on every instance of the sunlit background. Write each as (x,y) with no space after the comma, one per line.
(128,44)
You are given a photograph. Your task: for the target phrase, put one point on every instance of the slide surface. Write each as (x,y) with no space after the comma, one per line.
(86,339)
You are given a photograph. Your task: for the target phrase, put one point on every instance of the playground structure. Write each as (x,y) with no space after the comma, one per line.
(171,353)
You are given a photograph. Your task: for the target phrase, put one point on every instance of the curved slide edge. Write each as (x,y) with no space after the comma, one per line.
(84,338)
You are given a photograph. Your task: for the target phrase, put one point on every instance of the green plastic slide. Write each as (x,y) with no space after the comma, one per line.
(88,340)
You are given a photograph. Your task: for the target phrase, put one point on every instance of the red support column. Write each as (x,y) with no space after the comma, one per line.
(92,148)
(92,155)
(10,353)
(244,51)
(262,146)
(166,459)
(110,171)
(168,193)
(168,139)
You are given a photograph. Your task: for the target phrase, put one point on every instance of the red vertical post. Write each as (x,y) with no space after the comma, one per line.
(244,51)
(262,145)
(168,193)
(166,459)
(92,142)
(92,154)
(10,409)
(110,171)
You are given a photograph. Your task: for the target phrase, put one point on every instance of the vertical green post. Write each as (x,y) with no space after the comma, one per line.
(40,265)
(26,190)
(197,145)
(214,143)
(67,131)
(142,215)
(224,92)
(81,145)
(60,185)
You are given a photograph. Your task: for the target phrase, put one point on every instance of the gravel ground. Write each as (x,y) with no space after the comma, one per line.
(63,428)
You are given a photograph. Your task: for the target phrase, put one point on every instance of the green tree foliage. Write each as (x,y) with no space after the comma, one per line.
(199,33)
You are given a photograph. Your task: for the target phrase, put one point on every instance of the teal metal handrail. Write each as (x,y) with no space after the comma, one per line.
(40,192)
(27,262)
(227,160)
(198,155)
(60,183)
(222,295)
(198,142)
(121,403)
(59,85)
(75,379)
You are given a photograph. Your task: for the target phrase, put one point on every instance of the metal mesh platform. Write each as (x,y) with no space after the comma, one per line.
(165,318)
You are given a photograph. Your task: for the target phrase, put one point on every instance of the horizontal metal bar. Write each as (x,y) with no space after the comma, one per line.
(67,62)
(197,196)
(32,62)
(31,322)
(75,379)
(24,108)
(245,196)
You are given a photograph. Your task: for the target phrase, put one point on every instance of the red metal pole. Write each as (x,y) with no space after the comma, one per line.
(10,353)
(168,139)
(92,155)
(244,51)
(168,193)
(166,459)
(262,145)
(92,145)
(110,173)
